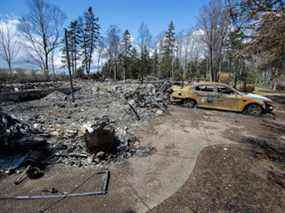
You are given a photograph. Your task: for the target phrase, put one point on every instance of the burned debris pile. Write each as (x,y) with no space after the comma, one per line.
(102,143)
(142,100)
(96,129)
(124,102)
(23,146)
(31,91)
(20,145)
(18,135)
(29,86)
(146,96)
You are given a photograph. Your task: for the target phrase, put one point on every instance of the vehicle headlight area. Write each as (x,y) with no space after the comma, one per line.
(268,107)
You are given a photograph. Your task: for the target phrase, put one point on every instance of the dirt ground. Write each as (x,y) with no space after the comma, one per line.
(204,161)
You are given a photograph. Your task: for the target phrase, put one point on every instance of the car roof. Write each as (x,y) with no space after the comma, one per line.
(211,83)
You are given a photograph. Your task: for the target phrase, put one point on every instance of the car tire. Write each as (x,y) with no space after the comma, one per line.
(254,110)
(189,103)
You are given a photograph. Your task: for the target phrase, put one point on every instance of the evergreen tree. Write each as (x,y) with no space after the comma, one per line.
(168,52)
(134,66)
(74,41)
(90,37)
(63,50)
(63,54)
(234,43)
(126,43)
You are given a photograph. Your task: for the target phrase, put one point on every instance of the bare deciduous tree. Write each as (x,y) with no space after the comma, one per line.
(9,46)
(113,44)
(100,51)
(214,22)
(144,39)
(189,48)
(41,29)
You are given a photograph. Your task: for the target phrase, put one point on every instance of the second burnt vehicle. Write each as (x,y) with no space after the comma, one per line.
(220,96)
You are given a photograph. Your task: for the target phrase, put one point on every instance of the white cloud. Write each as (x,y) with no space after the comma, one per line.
(9,25)
(57,61)
(12,23)
(199,32)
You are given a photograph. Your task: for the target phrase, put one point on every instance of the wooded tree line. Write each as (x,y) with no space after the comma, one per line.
(242,38)
(83,39)
(167,56)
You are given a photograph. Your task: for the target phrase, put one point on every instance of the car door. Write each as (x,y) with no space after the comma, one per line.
(227,99)
(206,95)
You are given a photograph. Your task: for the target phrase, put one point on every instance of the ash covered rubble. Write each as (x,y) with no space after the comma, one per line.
(147,99)
(118,109)
(107,112)
(21,145)
(129,103)
(103,142)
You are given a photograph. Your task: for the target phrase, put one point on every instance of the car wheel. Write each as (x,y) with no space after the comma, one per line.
(254,109)
(189,103)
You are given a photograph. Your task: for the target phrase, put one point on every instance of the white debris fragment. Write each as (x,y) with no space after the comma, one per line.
(36,125)
(87,126)
(159,112)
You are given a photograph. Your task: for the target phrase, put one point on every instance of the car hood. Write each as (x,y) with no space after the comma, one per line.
(257,97)
(176,87)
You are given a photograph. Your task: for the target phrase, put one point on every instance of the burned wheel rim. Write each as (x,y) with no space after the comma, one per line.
(189,103)
(254,109)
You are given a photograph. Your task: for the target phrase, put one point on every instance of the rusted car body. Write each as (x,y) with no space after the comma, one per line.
(220,96)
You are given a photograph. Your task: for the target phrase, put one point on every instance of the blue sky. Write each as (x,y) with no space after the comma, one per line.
(127,14)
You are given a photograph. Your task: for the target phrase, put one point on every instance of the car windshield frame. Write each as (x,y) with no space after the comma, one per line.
(232,90)
(205,85)
(216,88)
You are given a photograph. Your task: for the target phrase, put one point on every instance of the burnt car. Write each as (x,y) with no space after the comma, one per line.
(220,96)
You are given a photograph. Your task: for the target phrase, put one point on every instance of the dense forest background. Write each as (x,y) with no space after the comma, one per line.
(234,41)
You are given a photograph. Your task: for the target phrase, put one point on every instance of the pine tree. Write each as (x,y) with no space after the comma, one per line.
(74,35)
(145,64)
(134,68)
(79,34)
(168,52)
(126,43)
(63,54)
(63,51)
(234,43)
(90,38)
(75,41)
